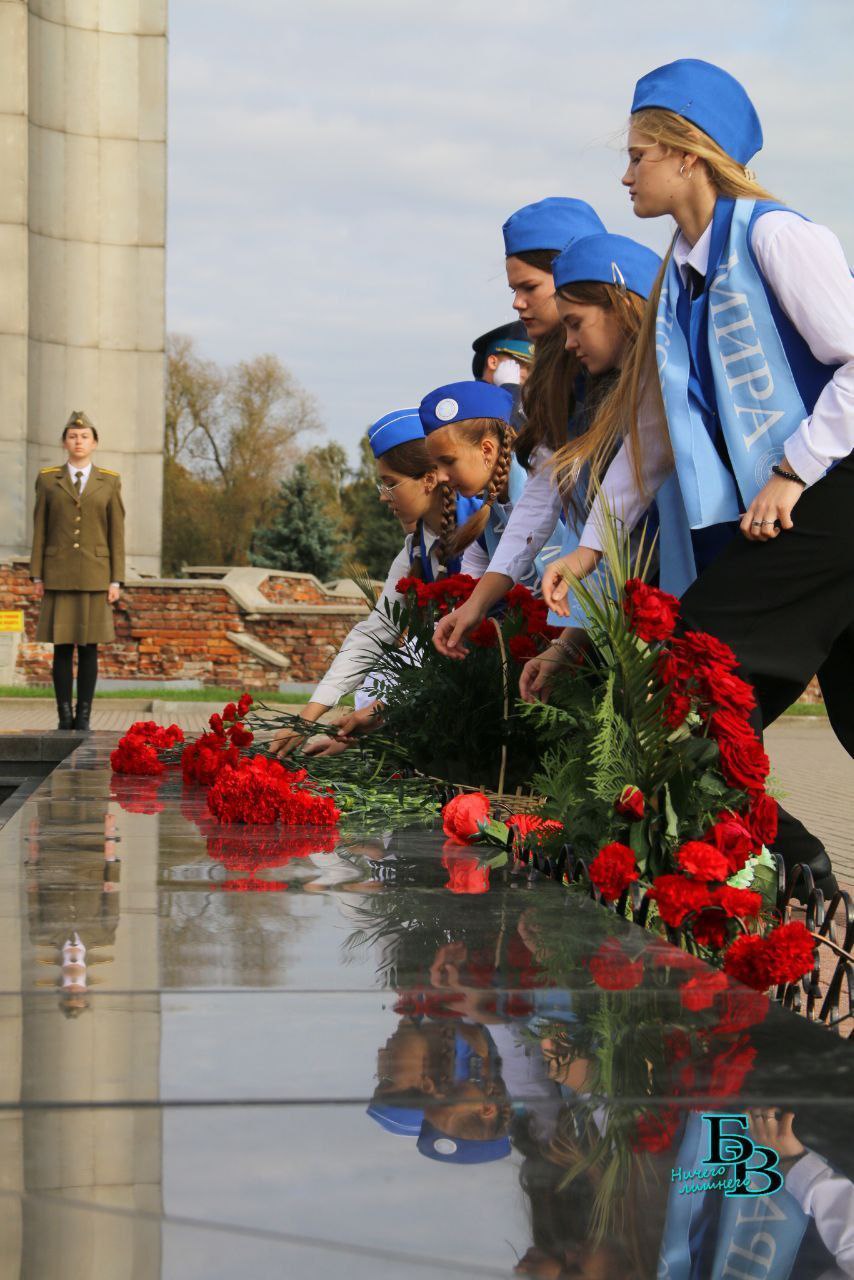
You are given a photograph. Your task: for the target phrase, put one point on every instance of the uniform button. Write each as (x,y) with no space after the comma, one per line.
(76,545)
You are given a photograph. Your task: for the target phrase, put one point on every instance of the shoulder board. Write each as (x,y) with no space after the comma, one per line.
(105,471)
(45,470)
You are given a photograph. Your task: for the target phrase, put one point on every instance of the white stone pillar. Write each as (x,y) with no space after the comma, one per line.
(82,249)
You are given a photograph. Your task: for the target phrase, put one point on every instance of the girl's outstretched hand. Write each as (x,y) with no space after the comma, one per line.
(555,585)
(450,633)
(538,673)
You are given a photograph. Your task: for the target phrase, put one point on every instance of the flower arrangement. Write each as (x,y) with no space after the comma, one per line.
(202,760)
(138,750)
(262,791)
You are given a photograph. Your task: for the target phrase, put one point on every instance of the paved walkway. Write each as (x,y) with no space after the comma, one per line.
(813,773)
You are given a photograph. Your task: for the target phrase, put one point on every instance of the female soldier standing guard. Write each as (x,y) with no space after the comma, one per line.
(77,564)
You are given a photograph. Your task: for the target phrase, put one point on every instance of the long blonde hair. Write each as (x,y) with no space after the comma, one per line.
(596,445)
(729,179)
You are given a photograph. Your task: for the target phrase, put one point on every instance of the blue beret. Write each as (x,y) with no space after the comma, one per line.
(549,224)
(439,1146)
(398,427)
(609,260)
(710,98)
(461,401)
(406,1121)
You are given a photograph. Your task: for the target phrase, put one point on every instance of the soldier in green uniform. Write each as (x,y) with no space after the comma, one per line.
(77,564)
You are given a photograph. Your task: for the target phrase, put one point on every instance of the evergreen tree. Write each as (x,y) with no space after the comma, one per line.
(301,536)
(376,534)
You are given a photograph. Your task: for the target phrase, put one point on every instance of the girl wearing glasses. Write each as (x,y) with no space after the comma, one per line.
(753,317)
(409,485)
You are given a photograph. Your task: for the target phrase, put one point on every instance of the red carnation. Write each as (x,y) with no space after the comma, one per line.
(678,897)
(243,705)
(652,614)
(215,722)
(240,735)
(466,875)
(613,870)
(745,903)
(483,636)
(703,861)
(229,711)
(738,1010)
(532,829)
(699,993)
(733,839)
(676,709)
(522,647)
(630,803)
(462,817)
(611,969)
(699,649)
(791,949)
(762,819)
(654,1131)
(711,929)
(747,960)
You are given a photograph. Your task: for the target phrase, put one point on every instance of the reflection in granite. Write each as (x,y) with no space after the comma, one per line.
(227,1054)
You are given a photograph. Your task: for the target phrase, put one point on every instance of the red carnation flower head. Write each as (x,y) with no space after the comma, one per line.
(613,869)
(243,705)
(677,897)
(612,970)
(652,614)
(215,722)
(744,763)
(229,711)
(466,875)
(630,803)
(762,819)
(711,928)
(463,816)
(483,636)
(522,647)
(733,839)
(240,735)
(702,861)
(744,903)
(699,993)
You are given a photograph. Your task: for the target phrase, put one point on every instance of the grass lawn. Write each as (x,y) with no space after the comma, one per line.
(161,695)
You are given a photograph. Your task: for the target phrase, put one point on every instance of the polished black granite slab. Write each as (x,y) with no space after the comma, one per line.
(224,1053)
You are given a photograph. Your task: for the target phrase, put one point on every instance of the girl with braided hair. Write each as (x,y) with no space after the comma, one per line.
(409,485)
(471,442)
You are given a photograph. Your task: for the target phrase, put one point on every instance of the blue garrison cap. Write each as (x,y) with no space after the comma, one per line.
(508,339)
(710,98)
(607,259)
(440,1146)
(398,427)
(549,224)
(406,1121)
(460,401)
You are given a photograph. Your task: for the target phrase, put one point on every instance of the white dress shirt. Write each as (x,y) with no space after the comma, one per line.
(84,472)
(363,646)
(828,1198)
(805,268)
(530,523)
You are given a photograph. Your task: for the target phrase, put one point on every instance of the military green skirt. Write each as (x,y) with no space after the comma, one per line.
(75,617)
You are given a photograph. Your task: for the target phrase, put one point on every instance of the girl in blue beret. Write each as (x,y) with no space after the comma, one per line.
(753,317)
(409,486)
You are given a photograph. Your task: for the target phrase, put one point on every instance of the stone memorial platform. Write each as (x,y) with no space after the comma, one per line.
(232,1052)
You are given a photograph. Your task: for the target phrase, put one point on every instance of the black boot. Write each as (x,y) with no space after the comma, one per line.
(81,716)
(66,715)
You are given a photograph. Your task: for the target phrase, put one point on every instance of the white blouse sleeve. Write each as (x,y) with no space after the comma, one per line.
(475,560)
(531,521)
(828,1197)
(362,646)
(806,269)
(619,487)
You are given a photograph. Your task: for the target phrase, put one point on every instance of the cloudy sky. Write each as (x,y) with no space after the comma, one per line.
(340,169)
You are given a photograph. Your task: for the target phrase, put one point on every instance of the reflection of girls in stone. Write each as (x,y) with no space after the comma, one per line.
(601,284)
(533,238)
(755,322)
(409,486)
(77,565)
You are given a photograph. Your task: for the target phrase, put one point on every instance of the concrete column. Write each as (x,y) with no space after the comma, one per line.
(82,248)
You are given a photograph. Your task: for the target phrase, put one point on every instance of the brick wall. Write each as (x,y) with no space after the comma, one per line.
(178,629)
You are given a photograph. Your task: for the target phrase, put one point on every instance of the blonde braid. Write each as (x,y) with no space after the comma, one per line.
(449,522)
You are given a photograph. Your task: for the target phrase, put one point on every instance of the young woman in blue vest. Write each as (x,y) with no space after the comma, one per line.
(409,485)
(533,238)
(754,324)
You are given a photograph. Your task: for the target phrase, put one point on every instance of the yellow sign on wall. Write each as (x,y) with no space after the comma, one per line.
(11,619)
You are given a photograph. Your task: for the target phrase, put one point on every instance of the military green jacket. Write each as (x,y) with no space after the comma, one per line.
(78,542)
